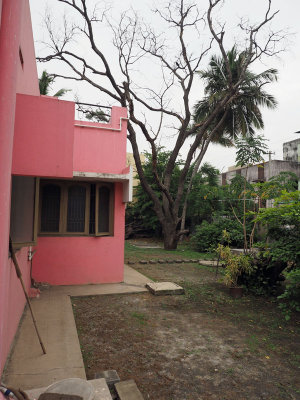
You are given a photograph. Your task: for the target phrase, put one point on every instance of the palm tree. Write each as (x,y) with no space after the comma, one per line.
(242,116)
(45,82)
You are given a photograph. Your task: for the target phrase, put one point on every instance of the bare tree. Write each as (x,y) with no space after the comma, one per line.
(138,44)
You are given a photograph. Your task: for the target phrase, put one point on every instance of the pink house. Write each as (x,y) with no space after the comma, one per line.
(64,183)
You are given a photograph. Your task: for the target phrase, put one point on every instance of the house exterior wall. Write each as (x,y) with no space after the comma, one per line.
(83,260)
(15,32)
(102,149)
(44,136)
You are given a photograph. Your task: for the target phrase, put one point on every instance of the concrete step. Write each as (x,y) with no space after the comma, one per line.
(127,390)
(164,288)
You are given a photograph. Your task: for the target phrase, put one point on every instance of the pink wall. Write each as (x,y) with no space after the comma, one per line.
(44,135)
(101,150)
(15,28)
(79,260)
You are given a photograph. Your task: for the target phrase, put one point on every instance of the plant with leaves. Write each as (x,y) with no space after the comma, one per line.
(282,252)
(250,151)
(235,264)
(45,82)
(170,54)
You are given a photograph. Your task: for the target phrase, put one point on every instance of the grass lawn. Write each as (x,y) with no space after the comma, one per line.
(199,346)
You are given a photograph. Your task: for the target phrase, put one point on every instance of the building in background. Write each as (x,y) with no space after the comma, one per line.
(262,172)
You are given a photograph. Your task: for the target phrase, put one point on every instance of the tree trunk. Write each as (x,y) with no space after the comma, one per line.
(170,235)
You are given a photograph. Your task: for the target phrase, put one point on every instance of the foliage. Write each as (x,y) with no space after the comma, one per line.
(250,150)
(283,224)
(140,213)
(45,83)
(243,114)
(96,115)
(281,253)
(204,196)
(291,295)
(207,235)
(235,264)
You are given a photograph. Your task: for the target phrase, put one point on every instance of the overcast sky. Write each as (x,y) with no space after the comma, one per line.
(280,124)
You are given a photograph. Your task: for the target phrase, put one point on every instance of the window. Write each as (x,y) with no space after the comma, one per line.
(24,202)
(73,208)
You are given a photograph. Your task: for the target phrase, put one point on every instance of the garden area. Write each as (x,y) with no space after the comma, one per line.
(201,345)
(207,344)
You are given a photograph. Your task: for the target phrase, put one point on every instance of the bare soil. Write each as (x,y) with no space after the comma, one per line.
(202,345)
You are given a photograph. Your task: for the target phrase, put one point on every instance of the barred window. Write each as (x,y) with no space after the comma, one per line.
(76,208)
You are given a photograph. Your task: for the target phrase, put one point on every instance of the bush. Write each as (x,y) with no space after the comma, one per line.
(291,295)
(208,235)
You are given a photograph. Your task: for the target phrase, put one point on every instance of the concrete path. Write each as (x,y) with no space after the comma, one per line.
(28,367)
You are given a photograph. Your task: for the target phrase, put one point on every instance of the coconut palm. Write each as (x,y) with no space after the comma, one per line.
(45,82)
(243,116)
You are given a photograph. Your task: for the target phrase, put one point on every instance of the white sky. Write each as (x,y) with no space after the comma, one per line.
(280,124)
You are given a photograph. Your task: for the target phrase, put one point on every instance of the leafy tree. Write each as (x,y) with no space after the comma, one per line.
(137,45)
(45,83)
(243,115)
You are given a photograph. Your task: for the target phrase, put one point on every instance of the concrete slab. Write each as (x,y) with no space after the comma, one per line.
(111,377)
(101,391)
(127,390)
(209,263)
(164,288)
(28,367)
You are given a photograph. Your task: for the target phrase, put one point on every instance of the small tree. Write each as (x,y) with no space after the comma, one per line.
(249,151)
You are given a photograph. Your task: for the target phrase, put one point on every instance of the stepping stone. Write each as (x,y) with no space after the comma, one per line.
(111,377)
(178,261)
(164,288)
(161,261)
(127,390)
(143,262)
(131,263)
(209,263)
(152,261)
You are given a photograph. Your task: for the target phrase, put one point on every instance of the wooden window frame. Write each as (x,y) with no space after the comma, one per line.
(110,186)
(64,185)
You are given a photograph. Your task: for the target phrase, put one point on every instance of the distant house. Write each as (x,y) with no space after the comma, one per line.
(64,183)
(264,171)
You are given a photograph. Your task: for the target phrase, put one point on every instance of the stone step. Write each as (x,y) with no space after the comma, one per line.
(127,390)
(164,288)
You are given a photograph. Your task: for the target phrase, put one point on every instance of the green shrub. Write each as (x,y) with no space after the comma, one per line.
(208,235)
(291,295)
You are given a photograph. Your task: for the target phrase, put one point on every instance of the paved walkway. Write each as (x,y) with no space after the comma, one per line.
(28,367)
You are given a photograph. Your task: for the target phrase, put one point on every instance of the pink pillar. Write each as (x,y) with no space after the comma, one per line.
(9,49)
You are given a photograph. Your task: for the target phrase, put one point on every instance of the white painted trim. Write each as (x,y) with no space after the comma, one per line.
(126,179)
(104,127)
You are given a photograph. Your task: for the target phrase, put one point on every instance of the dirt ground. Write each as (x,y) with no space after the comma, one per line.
(202,345)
